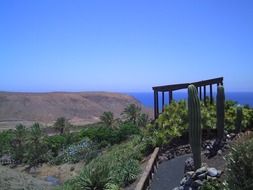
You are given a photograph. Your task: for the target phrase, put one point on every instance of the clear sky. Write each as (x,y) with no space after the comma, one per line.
(124,45)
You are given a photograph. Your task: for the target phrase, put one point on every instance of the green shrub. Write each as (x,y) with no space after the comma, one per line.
(240,166)
(173,122)
(84,150)
(108,136)
(99,134)
(6,138)
(118,166)
(127,129)
(71,138)
(213,185)
(125,172)
(94,177)
(55,143)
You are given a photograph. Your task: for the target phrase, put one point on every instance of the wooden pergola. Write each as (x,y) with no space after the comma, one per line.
(170,88)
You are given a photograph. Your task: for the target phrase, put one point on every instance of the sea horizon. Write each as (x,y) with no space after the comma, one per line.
(147,98)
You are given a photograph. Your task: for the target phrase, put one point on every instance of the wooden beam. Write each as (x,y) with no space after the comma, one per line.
(185,85)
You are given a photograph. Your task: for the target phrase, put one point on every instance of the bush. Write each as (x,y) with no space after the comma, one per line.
(84,150)
(125,172)
(173,122)
(240,166)
(127,129)
(6,138)
(99,134)
(55,143)
(94,177)
(213,185)
(108,136)
(118,166)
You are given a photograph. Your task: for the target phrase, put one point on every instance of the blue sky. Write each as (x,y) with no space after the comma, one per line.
(124,45)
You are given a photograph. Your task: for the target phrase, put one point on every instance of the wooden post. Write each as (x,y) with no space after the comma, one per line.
(200,93)
(170,96)
(211,94)
(155,104)
(163,101)
(205,94)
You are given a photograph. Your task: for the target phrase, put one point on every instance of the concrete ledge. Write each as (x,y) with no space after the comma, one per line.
(148,172)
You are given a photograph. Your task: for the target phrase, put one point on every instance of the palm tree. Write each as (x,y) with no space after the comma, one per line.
(107,119)
(61,125)
(18,143)
(131,113)
(143,120)
(36,148)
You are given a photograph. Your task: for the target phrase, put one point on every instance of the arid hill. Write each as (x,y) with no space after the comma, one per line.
(78,107)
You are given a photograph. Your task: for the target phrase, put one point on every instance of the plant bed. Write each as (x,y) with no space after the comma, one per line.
(182,150)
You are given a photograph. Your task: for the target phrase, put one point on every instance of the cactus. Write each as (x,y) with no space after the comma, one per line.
(194,125)
(238,121)
(220,113)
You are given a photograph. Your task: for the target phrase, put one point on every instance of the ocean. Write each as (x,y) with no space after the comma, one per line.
(147,98)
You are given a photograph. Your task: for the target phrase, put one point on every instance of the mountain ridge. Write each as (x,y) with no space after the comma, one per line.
(46,107)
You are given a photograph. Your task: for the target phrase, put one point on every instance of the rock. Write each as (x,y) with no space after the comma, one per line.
(219,152)
(219,173)
(212,172)
(197,183)
(188,165)
(72,168)
(189,174)
(6,160)
(188,182)
(183,181)
(52,180)
(211,178)
(202,176)
(163,158)
(178,188)
(200,171)
(32,170)
(206,152)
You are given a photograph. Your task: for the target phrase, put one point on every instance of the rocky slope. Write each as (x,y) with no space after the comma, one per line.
(78,107)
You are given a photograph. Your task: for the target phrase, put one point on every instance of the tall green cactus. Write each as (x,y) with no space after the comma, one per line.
(220,112)
(194,125)
(238,121)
